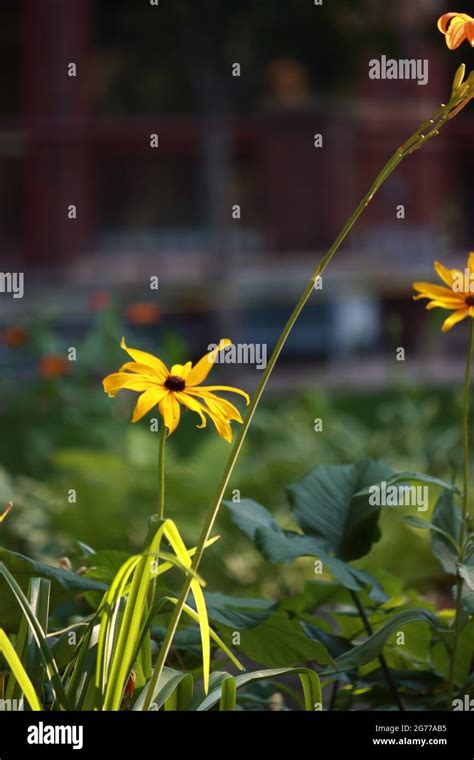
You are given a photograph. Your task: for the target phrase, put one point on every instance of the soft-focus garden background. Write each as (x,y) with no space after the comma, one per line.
(167,212)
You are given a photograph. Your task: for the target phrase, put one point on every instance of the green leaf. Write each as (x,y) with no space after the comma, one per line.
(446,517)
(309,680)
(328,503)
(373,646)
(221,644)
(277,545)
(467,573)
(168,684)
(125,614)
(18,671)
(228,695)
(412,479)
(64,584)
(238,613)
(38,596)
(39,637)
(418,522)
(280,642)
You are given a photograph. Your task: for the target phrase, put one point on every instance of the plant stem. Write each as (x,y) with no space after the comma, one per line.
(464,513)
(383,662)
(427,130)
(161,470)
(161,504)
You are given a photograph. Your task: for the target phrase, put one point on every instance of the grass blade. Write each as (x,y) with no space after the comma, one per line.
(18,670)
(39,636)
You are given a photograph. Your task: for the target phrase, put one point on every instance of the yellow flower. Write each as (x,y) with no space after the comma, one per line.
(169,389)
(456,27)
(458,297)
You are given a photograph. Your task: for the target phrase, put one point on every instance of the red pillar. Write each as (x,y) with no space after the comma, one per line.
(55,118)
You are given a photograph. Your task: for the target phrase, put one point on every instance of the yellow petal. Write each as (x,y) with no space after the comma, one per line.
(221,405)
(445,274)
(428,290)
(170,411)
(138,369)
(446,303)
(226,388)
(147,401)
(181,370)
(201,370)
(124,381)
(142,357)
(193,405)
(221,425)
(456,317)
(470,263)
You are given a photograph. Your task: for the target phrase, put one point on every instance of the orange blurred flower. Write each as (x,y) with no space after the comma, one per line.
(143,313)
(51,366)
(14,337)
(456,27)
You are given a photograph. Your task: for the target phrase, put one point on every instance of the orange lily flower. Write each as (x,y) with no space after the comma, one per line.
(456,27)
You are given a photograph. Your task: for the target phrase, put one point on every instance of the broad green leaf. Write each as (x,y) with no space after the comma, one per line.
(279,642)
(373,646)
(64,585)
(446,517)
(327,503)
(277,545)
(467,573)
(18,671)
(418,522)
(238,613)
(412,479)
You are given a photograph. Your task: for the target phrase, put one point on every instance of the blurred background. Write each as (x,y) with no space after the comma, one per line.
(166,212)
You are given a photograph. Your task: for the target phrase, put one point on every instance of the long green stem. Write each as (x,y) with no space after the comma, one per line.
(383,662)
(464,513)
(161,503)
(161,469)
(427,130)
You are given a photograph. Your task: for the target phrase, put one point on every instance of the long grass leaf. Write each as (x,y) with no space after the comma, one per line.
(39,636)
(19,672)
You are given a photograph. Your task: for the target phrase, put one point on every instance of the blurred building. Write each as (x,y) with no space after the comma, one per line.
(84,140)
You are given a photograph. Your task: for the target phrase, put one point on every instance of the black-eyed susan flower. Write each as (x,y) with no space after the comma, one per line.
(457,297)
(456,28)
(169,389)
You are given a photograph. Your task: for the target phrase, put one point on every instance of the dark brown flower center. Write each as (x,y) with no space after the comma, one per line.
(469,300)
(175,383)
